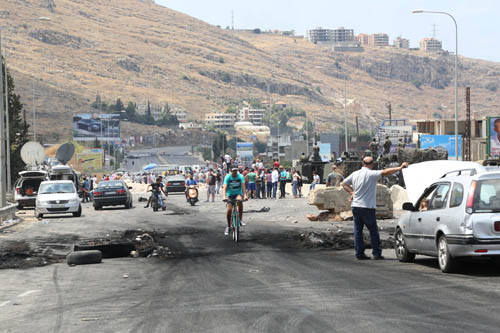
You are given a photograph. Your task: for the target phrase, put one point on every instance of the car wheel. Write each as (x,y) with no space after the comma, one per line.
(402,252)
(97,207)
(39,215)
(79,212)
(447,263)
(127,205)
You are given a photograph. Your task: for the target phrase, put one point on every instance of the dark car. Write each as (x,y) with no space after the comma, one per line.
(90,125)
(175,183)
(112,193)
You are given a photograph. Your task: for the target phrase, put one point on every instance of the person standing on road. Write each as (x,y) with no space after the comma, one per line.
(295,184)
(300,183)
(219,181)
(275,176)
(269,185)
(283,179)
(258,183)
(211,181)
(362,186)
(251,180)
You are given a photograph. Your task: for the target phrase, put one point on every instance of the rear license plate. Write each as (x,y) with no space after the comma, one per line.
(176,183)
(110,193)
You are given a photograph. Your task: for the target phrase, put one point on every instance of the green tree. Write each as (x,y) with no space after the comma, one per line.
(130,111)
(119,105)
(18,128)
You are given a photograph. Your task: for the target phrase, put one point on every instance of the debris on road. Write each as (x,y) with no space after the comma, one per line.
(262,210)
(84,257)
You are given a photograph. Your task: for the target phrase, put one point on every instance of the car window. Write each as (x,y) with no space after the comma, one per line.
(439,197)
(110,184)
(457,195)
(488,193)
(56,188)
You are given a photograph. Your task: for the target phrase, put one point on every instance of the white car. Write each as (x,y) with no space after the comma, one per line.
(57,197)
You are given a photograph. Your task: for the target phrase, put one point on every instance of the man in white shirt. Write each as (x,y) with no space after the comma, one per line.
(362,185)
(275,179)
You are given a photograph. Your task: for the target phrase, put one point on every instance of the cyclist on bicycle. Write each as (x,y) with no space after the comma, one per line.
(234,189)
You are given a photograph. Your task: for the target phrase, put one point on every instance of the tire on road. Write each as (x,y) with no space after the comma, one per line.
(402,252)
(78,213)
(84,257)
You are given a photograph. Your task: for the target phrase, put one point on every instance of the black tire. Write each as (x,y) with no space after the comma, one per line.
(447,263)
(78,213)
(127,205)
(97,207)
(237,234)
(402,252)
(39,215)
(84,257)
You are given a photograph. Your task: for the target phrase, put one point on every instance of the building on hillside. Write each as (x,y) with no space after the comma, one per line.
(319,35)
(363,39)
(401,43)
(181,116)
(431,45)
(342,34)
(220,120)
(255,116)
(190,125)
(381,39)
(276,145)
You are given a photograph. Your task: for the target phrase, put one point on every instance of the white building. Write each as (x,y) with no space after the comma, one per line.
(220,120)
(255,116)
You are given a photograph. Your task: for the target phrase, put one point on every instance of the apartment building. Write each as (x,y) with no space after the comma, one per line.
(363,39)
(220,120)
(380,39)
(431,45)
(255,116)
(401,43)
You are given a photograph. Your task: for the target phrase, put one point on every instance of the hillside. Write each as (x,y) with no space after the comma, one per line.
(141,51)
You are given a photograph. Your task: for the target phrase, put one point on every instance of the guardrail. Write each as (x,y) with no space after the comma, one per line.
(8,212)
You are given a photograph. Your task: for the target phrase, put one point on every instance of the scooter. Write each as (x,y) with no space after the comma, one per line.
(192,195)
(157,201)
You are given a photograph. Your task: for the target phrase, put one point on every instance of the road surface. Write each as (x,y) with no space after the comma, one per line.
(270,282)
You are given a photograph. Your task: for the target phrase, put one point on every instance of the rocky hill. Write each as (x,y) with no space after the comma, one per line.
(140,51)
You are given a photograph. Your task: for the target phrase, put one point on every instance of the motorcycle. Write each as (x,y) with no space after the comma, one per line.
(157,201)
(192,195)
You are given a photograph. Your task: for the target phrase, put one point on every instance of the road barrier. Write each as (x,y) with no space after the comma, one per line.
(8,212)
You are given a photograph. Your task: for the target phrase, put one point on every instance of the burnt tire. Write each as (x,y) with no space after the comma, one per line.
(84,257)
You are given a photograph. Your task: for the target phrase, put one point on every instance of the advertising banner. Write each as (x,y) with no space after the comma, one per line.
(244,150)
(325,151)
(90,160)
(493,133)
(104,127)
(445,141)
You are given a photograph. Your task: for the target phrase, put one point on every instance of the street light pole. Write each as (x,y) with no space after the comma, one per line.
(3,197)
(345,113)
(7,125)
(456,71)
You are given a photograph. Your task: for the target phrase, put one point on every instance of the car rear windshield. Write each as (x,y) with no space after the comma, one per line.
(110,184)
(487,196)
(56,188)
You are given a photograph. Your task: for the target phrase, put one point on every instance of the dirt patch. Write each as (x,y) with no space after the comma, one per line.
(20,254)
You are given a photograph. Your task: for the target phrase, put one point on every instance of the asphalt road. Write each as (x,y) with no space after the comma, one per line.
(165,155)
(270,282)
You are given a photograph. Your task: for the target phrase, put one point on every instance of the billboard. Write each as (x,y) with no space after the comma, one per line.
(244,151)
(395,129)
(90,160)
(493,133)
(445,141)
(325,151)
(104,127)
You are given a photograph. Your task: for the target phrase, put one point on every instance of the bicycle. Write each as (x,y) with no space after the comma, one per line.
(235,218)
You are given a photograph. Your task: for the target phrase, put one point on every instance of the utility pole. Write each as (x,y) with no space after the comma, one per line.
(34,111)
(7,124)
(3,198)
(389,108)
(307,137)
(345,113)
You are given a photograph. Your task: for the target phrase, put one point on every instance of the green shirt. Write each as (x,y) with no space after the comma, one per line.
(251,177)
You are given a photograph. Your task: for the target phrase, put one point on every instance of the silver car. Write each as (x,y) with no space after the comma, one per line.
(456,217)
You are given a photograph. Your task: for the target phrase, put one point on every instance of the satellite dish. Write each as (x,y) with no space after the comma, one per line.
(65,152)
(32,153)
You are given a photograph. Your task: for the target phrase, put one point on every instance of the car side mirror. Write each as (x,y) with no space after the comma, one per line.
(408,206)
(130,187)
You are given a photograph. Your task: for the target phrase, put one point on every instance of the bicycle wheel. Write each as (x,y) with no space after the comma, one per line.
(236,226)
(234,222)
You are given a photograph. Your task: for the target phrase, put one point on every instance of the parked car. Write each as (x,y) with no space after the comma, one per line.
(112,193)
(57,197)
(175,184)
(456,217)
(26,187)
